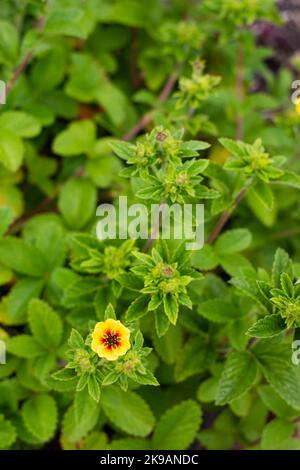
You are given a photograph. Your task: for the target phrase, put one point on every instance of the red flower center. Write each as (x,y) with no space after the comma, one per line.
(111,339)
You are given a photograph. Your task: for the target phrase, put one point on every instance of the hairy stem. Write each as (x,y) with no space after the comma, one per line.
(225,217)
(147,117)
(27,59)
(240,92)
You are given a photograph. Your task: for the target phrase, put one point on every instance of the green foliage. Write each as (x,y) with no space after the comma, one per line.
(161,102)
(177,427)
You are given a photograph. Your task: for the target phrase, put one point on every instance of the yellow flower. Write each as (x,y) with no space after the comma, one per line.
(298,106)
(110,339)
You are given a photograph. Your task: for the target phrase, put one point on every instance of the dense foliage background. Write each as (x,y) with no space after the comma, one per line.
(158,100)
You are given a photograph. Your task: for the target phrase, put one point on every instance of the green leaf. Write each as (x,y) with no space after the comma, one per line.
(123,150)
(236,148)
(77,202)
(234,263)
(171,308)
(233,241)
(51,65)
(136,417)
(9,42)
(24,346)
(84,405)
(67,19)
(270,325)
(74,430)
(6,218)
(7,431)
(275,434)
(45,324)
(138,308)
(76,340)
(238,377)
(178,427)
(195,357)
(265,215)
(205,259)
(275,403)
(130,281)
(93,388)
(110,312)
(11,149)
(64,374)
(281,374)
(215,440)
(79,138)
(39,414)
(242,405)
(48,235)
(252,425)
(264,193)
(282,264)
(208,389)
(237,332)
(218,311)
(162,323)
(287,285)
(22,257)
(19,296)
(289,178)
(20,123)
(129,444)
(169,346)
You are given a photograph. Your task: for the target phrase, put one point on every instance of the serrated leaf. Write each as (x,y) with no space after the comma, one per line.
(275,434)
(169,346)
(194,358)
(64,374)
(282,264)
(74,430)
(7,433)
(233,241)
(76,340)
(270,325)
(22,257)
(264,193)
(238,377)
(39,414)
(109,312)
(93,388)
(217,310)
(84,405)
(178,427)
(275,403)
(281,374)
(19,296)
(128,411)
(171,307)
(121,149)
(138,308)
(45,324)
(24,346)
